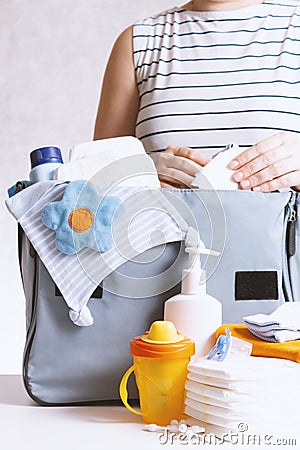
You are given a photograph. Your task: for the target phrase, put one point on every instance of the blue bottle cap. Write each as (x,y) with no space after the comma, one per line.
(45,155)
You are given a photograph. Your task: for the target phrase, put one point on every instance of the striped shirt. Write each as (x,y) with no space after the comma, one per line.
(207,79)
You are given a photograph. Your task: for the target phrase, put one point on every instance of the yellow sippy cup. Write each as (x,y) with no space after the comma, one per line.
(160,364)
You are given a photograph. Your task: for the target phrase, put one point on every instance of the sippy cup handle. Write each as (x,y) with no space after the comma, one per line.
(123,390)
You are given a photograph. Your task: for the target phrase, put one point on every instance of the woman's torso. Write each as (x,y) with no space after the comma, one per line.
(207,79)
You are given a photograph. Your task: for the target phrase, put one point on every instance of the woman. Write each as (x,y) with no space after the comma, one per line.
(193,79)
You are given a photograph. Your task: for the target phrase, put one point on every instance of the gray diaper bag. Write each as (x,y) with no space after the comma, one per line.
(258,237)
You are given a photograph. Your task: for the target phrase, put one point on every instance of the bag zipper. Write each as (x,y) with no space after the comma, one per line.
(291,231)
(290,244)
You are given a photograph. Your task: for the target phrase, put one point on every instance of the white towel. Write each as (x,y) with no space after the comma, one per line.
(77,276)
(118,161)
(281,325)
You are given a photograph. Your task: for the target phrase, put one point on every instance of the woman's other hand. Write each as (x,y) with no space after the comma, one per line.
(269,165)
(177,166)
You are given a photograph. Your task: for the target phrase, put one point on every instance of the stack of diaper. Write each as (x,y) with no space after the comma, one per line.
(253,394)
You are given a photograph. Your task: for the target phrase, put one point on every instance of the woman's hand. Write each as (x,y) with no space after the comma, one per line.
(177,166)
(269,165)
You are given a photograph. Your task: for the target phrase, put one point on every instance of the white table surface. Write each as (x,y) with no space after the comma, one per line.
(27,426)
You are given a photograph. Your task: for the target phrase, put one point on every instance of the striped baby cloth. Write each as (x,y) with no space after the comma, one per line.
(147,219)
(281,325)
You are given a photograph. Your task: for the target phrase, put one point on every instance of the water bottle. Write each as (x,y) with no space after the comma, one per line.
(44,161)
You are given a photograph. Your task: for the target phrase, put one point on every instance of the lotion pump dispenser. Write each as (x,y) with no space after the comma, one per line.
(195,313)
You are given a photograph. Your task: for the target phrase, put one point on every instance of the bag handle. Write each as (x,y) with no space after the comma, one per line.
(123,390)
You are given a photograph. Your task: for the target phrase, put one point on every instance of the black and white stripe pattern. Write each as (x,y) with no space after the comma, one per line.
(206,79)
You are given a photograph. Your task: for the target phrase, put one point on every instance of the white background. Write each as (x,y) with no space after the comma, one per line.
(52,57)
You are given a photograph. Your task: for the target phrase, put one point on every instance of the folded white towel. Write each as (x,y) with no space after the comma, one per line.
(120,161)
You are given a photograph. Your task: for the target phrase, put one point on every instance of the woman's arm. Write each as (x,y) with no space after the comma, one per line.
(119,100)
(118,109)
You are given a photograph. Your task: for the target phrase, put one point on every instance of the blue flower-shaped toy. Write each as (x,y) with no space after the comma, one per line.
(81,218)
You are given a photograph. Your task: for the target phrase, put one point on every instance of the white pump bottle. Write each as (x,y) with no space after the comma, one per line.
(194,313)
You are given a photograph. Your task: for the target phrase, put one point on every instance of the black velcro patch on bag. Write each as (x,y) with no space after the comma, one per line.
(98,292)
(256,285)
